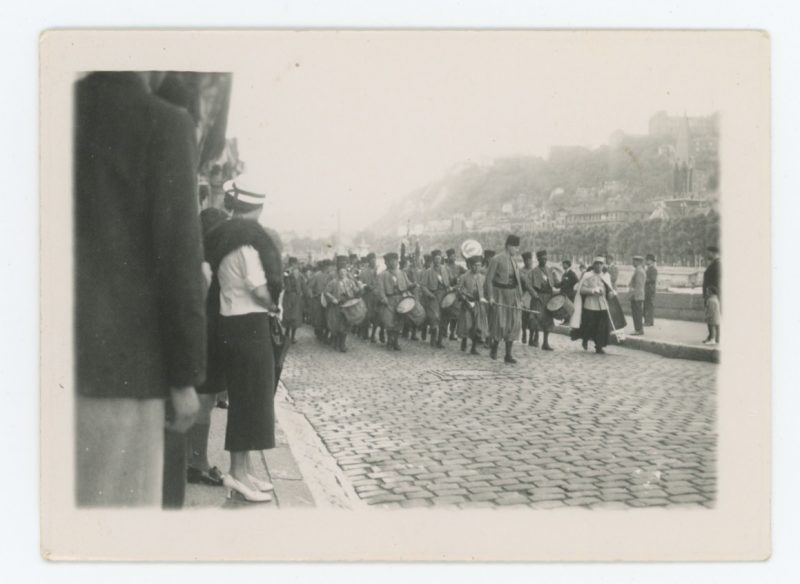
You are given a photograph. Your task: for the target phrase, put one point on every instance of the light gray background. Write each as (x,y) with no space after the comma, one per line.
(19,364)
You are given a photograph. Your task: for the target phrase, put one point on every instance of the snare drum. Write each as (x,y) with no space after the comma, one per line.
(412,310)
(560,307)
(354,310)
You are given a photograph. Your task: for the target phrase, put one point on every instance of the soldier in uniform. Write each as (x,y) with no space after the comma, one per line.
(434,284)
(504,293)
(409,268)
(318,283)
(455,272)
(293,296)
(472,319)
(393,286)
(369,280)
(650,290)
(338,290)
(525,277)
(545,282)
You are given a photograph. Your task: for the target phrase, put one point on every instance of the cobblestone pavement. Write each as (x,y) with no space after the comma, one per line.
(424,427)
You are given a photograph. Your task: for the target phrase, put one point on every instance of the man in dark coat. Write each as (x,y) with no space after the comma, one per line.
(651,281)
(711,277)
(140,314)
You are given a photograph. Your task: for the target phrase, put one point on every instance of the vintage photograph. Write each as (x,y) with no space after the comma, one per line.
(341,273)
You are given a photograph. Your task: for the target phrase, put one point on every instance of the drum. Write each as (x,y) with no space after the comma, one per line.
(449,300)
(560,307)
(412,310)
(355,311)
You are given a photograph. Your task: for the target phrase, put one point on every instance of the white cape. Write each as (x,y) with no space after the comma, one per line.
(575,321)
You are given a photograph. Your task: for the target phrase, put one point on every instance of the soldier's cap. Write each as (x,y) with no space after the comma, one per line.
(450,252)
(292,260)
(371,256)
(567,262)
(472,260)
(512,240)
(436,252)
(541,253)
(488,253)
(390,256)
(341,261)
(651,257)
(713,248)
(527,255)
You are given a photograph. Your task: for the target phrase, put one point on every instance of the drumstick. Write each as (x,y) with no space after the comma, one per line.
(515,307)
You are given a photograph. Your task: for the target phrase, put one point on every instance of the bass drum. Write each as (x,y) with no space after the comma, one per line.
(560,307)
(451,304)
(355,311)
(412,310)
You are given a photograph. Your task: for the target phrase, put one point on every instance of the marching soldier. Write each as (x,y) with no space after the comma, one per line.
(545,283)
(504,293)
(369,279)
(339,290)
(393,286)
(472,319)
(434,285)
(525,277)
(455,272)
(293,296)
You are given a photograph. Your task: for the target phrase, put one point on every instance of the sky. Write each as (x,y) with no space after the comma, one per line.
(345,123)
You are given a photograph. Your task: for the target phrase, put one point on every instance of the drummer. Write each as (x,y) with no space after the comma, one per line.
(317,287)
(339,290)
(434,284)
(393,286)
(455,272)
(545,283)
(412,275)
(369,279)
(472,318)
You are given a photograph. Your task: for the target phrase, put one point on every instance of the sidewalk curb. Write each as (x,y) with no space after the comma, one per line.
(322,475)
(663,348)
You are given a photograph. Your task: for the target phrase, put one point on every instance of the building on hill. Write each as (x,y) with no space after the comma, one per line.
(680,207)
(608,214)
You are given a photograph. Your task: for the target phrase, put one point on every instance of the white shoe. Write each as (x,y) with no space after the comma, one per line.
(712,343)
(707,341)
(263,486)
(249,494)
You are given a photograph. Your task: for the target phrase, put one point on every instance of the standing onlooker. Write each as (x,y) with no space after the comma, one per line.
(711,277)
(637,289)
(613,270)
(248,276)
(650,283)
(140,324)
(712,316)
(568,280)
(590,321)
(293,297)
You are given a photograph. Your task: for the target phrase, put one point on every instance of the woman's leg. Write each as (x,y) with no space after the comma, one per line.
(198,435)
(240,466)
(716,333)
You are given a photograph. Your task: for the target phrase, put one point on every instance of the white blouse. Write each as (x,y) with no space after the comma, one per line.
(239,273)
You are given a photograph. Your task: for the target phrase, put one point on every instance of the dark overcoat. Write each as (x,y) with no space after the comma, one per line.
(139,290)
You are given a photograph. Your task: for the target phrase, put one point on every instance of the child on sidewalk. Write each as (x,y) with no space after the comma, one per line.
(712,317)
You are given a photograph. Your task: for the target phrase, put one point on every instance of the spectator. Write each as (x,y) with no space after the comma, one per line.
(140,326)
(712,316)
(637,289)
(650,284)
(711,277)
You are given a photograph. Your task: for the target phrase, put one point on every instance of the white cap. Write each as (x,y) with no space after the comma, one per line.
(243,188)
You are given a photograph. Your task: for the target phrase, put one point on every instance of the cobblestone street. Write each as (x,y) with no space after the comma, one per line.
(425,427)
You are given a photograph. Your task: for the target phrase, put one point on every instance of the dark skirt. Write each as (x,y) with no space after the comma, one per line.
(249,367)
(594,327)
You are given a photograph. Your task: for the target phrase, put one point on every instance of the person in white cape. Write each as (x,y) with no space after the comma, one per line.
(590,321)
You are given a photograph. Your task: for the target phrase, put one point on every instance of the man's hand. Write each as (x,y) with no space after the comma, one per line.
(185,405)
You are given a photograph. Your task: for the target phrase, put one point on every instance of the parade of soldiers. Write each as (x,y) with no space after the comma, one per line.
(493,302)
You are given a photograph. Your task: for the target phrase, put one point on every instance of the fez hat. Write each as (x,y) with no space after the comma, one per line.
(512,240)
(488,253)
(472,260)
(527,255)
(341,261)
(371,256)
(389,256)
(450,252)
(436,252)
(292,260)
(540,253)
(651,257)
